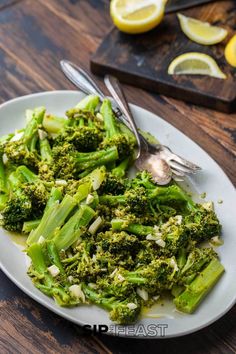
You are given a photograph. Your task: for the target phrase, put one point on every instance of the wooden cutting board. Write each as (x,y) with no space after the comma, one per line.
(142,60)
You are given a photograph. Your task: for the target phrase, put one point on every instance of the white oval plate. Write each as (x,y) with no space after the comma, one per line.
(212,180)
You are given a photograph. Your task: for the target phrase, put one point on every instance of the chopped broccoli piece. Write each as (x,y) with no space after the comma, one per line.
(195,292)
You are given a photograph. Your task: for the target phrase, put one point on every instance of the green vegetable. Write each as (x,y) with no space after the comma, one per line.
(94,235)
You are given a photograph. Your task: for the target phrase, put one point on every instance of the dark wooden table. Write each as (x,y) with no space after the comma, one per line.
(34,36)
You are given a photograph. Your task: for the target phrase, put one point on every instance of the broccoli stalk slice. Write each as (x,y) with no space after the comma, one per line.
(52,219)
(89,103)
(195,292)
(28,226)
(88,160)
(55,195)
(83,191)
(109,120)
(136,229)
(120,170)
(36,254)
(72,230)
(53,124)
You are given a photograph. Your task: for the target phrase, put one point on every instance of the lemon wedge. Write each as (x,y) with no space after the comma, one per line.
(137,16)
(195,64)
(230,51)
(201,32)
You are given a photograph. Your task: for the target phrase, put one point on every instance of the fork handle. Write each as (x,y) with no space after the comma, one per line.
(115,89)
(81,79)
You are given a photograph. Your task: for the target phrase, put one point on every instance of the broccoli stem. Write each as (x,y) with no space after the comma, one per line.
(136,229)
(52,219)
(54,256)
(28,226)
(89,103)
(112,200)
(88,160)
(3,182)
(45,150)
(55,195)
(118,309)
(134,278)
(28,175)
(97,298)
(121,169)
(194,293)
(182,257)
(173,192)
(32,125)
(72,230)
(109,120)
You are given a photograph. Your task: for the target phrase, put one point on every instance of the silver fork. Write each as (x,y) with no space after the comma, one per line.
(166,163)
(179,166)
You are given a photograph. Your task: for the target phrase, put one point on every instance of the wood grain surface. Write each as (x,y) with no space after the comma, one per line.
(34,36)
(144,59)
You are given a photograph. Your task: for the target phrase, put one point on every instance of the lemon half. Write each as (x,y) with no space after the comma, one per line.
(230,51)
(201,32)
(195,64)
(137,16)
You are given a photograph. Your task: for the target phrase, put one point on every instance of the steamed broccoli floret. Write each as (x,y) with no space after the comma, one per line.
(27,200)
(155,277)
(23,151)
(144,179)
(18,153)
(202,224)
(83,138)
(117,242)
(170,236)
(112,185)
(83,130)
